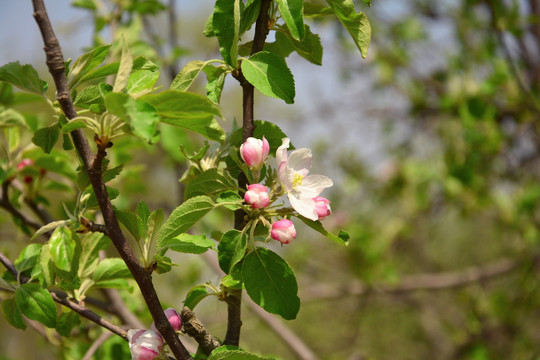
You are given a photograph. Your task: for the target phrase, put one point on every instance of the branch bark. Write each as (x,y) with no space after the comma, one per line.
(93,166)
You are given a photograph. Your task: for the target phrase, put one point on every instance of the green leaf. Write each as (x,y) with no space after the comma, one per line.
(126,64)
(188,111)
(47,137)
(250,13)
(92,96)
(111,269)
(132,222)
(310,48)
(231,249)
(183,217)
(271,283)
(141,81)
(49,227)
(292,12)
(208,183)
(66,322)
(141,116)
(91,245)
(226,27)
(215,75)
(192,244)
(62,248)
(342,237)
(24,77)
(36,303)
(270,75)
(85,64)
(230,200)
(12,313)
(357,24)
(164,264)
(11,118)
(312,9)
(224,353)
(187,75)
(28,257)
(195,295)
(46,266)
(74,124)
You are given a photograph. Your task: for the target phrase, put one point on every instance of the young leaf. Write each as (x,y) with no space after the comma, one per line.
(192,244)
(227,354)
(215,75)
(85,64)
(28,257)
(183,217)
(231,249)
(249,15)
(110,269)
(342,237)
(12,313)
(189,111)
(24,77)
(126,64)
(49,227)
(292,12)
(91,245)
(47,137)
(46,265)
(208,183)
(270,75)
(187,75)
(142,81)
(36,303)
(271,283)
(226,27)
(74,124)
(309,48)
(11,117)
(62,248)
(132,222)
(357,24)
(195,295)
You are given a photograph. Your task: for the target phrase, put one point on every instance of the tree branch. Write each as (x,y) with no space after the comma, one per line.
(195,328)
(55,63)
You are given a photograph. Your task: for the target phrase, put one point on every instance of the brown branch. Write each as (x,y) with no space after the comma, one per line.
(421,282)
(93,166)
(234,297)
(195,328)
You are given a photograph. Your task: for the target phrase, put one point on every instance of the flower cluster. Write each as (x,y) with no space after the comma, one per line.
(302,190)
(148,344)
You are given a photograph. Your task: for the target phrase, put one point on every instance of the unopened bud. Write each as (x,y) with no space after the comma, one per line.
(283,231)
(257,196)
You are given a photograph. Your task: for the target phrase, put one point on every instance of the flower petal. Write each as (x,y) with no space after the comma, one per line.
(281,152)
(300,161)
(305,206)
(286,176)
(315,184)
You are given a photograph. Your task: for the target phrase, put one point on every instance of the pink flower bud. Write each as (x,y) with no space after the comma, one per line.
(322,207)
(174,319)
(28,179)
(257,196)
(254,152)
(283,231)
(25,163)
(144,344)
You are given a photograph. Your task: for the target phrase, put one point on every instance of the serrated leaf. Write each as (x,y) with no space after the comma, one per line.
(226,27)
(62,248)
(210,182)
(142,81)
(49,227)
(24,77)
(12,313)
(310,48)
(85,64)
(192,244)
(231,249)
(271,283)
(164,264)
(357,24)
(270,75)
(92,97)
(36,303)
(227,354)
(249,15)
(188,111)
(46,266)
(183,217)
(132,223)
(195,295)
(66,322)
(126,64)
(91,245)
(215,77)
(111,269)
(76,123)
(46,137)
(292,12)
(28,257)
(341,238)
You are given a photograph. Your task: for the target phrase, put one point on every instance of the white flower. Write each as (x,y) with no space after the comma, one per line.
(301,188)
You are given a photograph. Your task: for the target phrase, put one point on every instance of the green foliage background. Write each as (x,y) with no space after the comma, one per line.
(443,214)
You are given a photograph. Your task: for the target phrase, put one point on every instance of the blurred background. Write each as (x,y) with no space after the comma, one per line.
(433,145)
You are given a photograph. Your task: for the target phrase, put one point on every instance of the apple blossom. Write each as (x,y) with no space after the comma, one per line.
(25,163)
(300,187)
(257,196)
(283,231)
(174,319)
(322,207)
(144,344)
(254,152)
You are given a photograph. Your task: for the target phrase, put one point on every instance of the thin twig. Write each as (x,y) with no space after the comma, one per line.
(195,328)
(93,166)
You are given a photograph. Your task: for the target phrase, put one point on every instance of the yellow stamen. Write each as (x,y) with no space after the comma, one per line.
(297,180)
